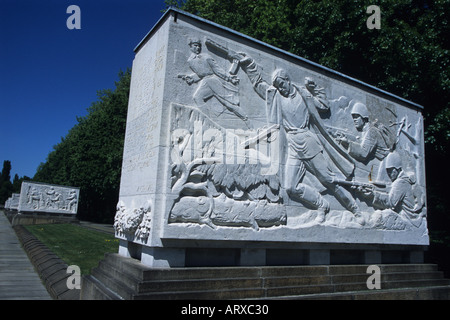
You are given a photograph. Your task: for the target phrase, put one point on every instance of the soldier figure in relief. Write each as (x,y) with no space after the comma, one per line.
(293,107)
(405,197)
(72,198)
(213,80)
(372,144)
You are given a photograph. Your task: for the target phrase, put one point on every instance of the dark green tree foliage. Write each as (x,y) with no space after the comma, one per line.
(6,187)
(17,183)
(90,155)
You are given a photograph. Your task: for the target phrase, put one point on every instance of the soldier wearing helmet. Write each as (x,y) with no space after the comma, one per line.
(393,166)
(372,144)
(293,107)
(404,197)
(360,115)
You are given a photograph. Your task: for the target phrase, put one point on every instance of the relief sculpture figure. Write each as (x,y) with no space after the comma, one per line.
(295,108)
(133,221)
(42,197)
(212,81)
(208,190)
(72,198)
(34,198)
(374,142)
(405,200)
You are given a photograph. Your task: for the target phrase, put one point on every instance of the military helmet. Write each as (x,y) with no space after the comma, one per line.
(393,160)
(360,109)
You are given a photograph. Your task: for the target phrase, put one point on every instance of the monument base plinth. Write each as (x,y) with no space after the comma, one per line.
(118,277)
(198,254)
(32,218)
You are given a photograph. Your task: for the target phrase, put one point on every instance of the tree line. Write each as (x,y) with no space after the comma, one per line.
(7,188)
(90,155)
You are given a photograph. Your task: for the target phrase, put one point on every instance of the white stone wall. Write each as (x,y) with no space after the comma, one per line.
(215,151)
(48,198)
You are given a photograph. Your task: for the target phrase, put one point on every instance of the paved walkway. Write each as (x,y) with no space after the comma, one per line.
(18,279)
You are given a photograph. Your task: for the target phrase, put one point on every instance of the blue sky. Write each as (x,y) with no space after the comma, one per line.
(49,74)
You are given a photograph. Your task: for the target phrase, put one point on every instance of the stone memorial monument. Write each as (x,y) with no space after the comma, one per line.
(239,153)
(7,203)
(14,201)
(38,197)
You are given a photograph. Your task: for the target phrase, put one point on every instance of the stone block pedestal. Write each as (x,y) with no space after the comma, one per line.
(237,153)
(302,255)
(118,277)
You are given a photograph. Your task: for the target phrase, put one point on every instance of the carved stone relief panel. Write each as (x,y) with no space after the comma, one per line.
(256,144)
(39,197)
(12,203)
(135,223)
(332,155)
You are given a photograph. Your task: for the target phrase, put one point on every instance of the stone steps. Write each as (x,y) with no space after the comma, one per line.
(414,293)
(117,277)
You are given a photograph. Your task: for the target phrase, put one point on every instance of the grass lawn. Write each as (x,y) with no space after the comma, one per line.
(74,244)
